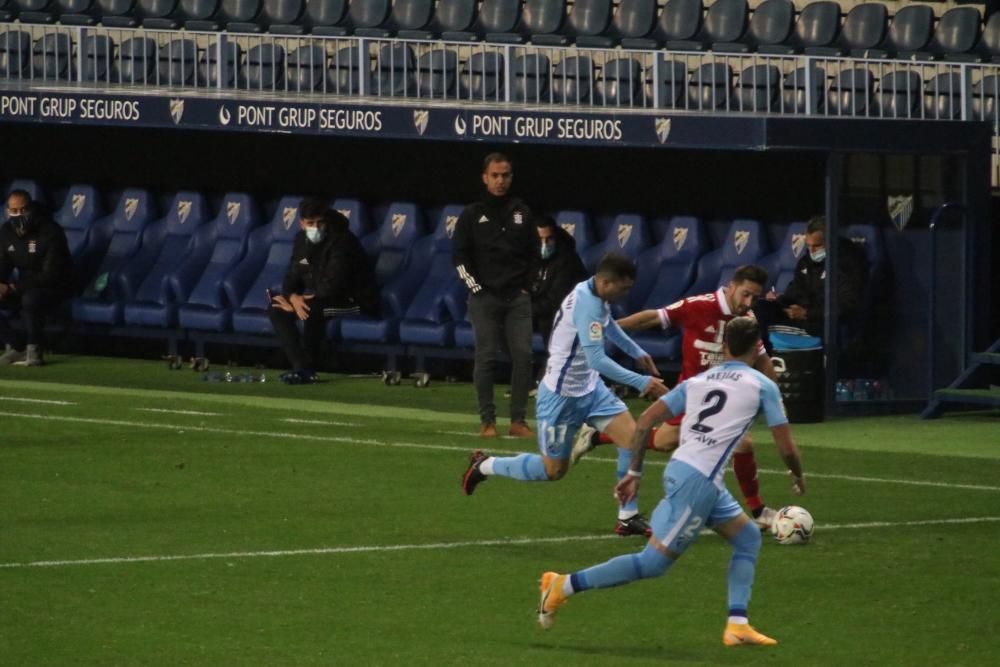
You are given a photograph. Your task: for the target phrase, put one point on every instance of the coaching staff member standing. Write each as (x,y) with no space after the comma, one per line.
(35,245)
(495,243)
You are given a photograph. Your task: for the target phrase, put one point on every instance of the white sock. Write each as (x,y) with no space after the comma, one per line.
(568,586)
(739,620)
(625,515)
(486,467)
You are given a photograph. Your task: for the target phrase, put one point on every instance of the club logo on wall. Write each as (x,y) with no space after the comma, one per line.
(680,237)
(662,129)
(460,125)
(741,241)
(420,118)
(79,201)
(224,115)
(176,111)
(900,210)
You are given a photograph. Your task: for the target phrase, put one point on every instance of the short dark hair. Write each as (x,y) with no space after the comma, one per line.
(742,334)
(18,192)
(313,207)
(495,157)
(544,221)
(817,223)
(616,267)
(754,274)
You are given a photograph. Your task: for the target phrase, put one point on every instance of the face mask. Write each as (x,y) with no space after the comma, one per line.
(314,234)
(818,256)
(20,223)
(548,249)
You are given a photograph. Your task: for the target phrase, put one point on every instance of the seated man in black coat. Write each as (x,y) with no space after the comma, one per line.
(329,275)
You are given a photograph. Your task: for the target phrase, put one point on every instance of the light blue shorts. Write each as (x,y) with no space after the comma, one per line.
(559,417)
(692,502)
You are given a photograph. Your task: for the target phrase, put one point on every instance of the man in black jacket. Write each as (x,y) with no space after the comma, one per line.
(329,275)
(494,249)
(557,273)
(36,247)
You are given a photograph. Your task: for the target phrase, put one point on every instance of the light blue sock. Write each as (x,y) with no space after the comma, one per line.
(746,546)
(621,570)
(624,461)
(525,467)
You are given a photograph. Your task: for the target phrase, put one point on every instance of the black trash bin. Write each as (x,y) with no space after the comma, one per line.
(800,378)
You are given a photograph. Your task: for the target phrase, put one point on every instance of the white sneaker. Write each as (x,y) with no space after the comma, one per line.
(583,443)
(766,518)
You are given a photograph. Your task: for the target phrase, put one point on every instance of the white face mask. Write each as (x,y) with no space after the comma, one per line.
(818,256)
(548,249)
(314,234)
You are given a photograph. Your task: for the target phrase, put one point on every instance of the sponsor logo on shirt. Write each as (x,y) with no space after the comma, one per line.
(596,331)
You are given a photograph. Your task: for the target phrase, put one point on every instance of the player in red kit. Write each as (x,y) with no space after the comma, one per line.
(703,320)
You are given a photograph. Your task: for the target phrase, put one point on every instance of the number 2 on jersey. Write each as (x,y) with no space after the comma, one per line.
(719,398)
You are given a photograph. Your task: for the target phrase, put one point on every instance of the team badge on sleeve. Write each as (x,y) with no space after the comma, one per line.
(596,331)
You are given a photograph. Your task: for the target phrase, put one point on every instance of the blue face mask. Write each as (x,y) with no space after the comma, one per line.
(818,255)
(314,234)
(548,249)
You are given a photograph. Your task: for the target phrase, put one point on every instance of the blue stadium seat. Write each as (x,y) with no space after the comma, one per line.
(633,19)
(427,321)
(453,17)
(760,88)
(31,186)
(265,67)
(818,26)
(745,243)
(157,247)
(851,93)
(395,71)
(988,47)
(863,30)
(356,213)
(530,74)
(780,265)
(900,94)
(481,77)
(52,56)
(346,68)
(629,235)
(771,26)
(669,89)
(15,53)
(908,34)
(620,83)
(320,17)
(943,99)
(573,80)
(118,13)
(725,22)
(76,216)
(98,54)
(402,226)
(410,15)
(957,34)
(206,306)
(437,74)
(712,87)
(794,91)
(307,69)
(263,268)
(209,65)
(273,12)
(137,61)
(679,20)
(178,62)
(986,98)
(578,225)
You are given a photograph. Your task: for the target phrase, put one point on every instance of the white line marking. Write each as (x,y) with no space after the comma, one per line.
(472,434)
(35,400)
(196,413)
(319,422)
(378,548)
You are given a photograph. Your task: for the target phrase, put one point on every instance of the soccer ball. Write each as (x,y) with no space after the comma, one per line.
(793,525)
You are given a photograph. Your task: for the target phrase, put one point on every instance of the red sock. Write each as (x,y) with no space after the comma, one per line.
(652,439)
(745,467)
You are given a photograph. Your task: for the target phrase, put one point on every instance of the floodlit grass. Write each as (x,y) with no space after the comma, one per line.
(262,541)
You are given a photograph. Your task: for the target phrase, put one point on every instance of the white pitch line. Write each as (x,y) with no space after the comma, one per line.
(451,448)
(35,400)
(319,422)
(196,413)
(471,434)
(438,546)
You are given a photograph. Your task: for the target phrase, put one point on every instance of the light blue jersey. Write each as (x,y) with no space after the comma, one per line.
(576,346)
(719,406)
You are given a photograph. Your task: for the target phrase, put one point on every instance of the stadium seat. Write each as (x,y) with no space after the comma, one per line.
(455,16)
(327,18)
(900,94)
(356,213)
(986,98)
(346,68)
(178,62)
(712,87)
(200,14)
(863,30)
(578,225)
(573,80)
(137,61)
(760,88)
(402,226)
(781,264)
(15,54)
(851,93)
(412,16)
(988,48)
(262,269)
(943,99)
(395,71)
(587,18)
(31,186)
(307,69)
(620,83)
(209,68)
(368,17)
(725,22)
(198,283)
(81,207)
(497,22)
(67,12)
(161,14)
(669,88)
(98,54)
(36,11)
(52,57)
(437,74)
(161,246)
(481,77)
(543,19)
(272,12)
(530,74)
(956,35)
(908,34)
(118,13)
(265,67)
(633,19)
(745,243)
(629,235)
(818,26)
(679,21)
(770,26)
(801,95)
(235,14)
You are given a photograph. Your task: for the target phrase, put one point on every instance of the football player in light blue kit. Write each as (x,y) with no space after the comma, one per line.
(719,406)
(571,393)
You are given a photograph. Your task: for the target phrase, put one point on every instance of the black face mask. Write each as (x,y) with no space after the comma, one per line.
(21,223)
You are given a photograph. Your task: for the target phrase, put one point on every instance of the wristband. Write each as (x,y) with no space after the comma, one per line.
(634,473)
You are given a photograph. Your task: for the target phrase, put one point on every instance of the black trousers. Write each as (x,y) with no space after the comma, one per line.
(492,319)
(304,350)
(35,305)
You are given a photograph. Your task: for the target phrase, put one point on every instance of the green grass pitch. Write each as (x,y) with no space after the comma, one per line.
(150,518)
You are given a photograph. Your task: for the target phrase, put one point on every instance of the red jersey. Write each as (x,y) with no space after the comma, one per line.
(703,319)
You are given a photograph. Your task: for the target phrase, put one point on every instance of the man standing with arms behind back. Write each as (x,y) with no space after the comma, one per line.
(494,246)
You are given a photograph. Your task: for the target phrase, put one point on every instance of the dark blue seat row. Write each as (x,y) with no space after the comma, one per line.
(727,25)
